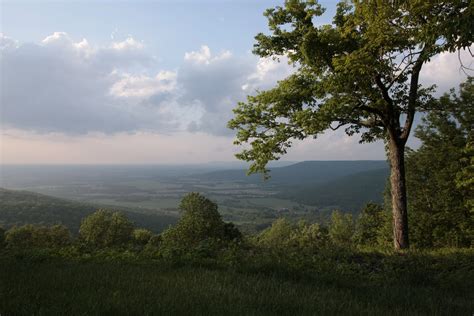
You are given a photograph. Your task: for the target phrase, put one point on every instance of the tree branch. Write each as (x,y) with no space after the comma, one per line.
(412,96)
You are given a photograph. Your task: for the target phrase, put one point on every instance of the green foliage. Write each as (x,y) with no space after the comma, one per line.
(283,236)
(200,229)
(2,237)
(465,177)
(385,233)
(360,72)
(439,174)
(106,229)
(369,224)
(141,236)
(341,229)
(30,236)
(278,235)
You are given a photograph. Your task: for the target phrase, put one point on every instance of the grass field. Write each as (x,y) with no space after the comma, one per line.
(61,287)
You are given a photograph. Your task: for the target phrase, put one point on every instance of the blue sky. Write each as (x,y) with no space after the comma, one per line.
(168,28)
(145,81)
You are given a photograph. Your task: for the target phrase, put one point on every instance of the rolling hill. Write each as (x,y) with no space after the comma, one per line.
(349,193)
(23,207)
(307,172)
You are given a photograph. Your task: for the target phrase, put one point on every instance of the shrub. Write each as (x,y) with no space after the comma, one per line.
(276,236)
(341,229)
(106,229)
(369,224)
(200,229)
(2,237)
(283,235)
(31,236)
(309,236)
(141,236)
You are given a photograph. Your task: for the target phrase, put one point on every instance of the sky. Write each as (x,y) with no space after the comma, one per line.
(97,82)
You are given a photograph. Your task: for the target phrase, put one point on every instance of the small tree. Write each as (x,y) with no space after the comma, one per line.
(141,236)
(361,72)
(31,236)
(278,235)
(341,228)
(369,224)
(200,225)
(106,229)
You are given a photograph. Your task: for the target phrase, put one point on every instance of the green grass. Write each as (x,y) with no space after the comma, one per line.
(54,286)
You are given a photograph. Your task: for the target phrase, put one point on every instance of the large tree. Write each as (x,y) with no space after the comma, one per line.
(361,72)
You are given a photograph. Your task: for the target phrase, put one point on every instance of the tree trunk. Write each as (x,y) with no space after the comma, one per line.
(399,193)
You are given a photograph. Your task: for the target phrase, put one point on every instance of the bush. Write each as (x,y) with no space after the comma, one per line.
(106,229)
(276,236)
(2,237)
(141,236)
(283,235)
(200,229)
(341,229)
(30,236)
(369,224)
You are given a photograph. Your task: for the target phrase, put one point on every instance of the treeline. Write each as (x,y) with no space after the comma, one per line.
(202,234)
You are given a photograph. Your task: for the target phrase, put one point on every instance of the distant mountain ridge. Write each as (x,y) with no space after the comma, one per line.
(306,172)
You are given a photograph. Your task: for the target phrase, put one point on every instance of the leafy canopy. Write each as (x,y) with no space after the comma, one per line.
(360,72)
(106,229)
(200,224)
(31,236)
(439,178)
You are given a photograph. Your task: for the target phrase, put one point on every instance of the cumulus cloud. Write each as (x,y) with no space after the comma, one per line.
(69,86)
(66,86)
(143,86)
(445,70)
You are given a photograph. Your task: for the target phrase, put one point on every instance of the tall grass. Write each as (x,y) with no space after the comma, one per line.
(45,285)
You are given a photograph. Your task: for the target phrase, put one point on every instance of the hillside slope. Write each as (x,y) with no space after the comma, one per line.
(348,193)
(23,207)
(307,172)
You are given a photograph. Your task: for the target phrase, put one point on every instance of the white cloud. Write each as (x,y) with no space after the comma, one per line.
(267,72)
(143,86)
(74,87)
(204,56)
(128,44)
(63,86)
(445,71)
(7,42)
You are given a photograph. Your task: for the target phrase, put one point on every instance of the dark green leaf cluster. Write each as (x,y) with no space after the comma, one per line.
(439,173)
(31,236)
(200,229)
(106,229)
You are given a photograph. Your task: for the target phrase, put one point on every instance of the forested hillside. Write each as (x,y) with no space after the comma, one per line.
(306,172)
(348,193)
(23,207)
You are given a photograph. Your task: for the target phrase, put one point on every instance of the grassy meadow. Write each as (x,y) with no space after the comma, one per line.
(44,285)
